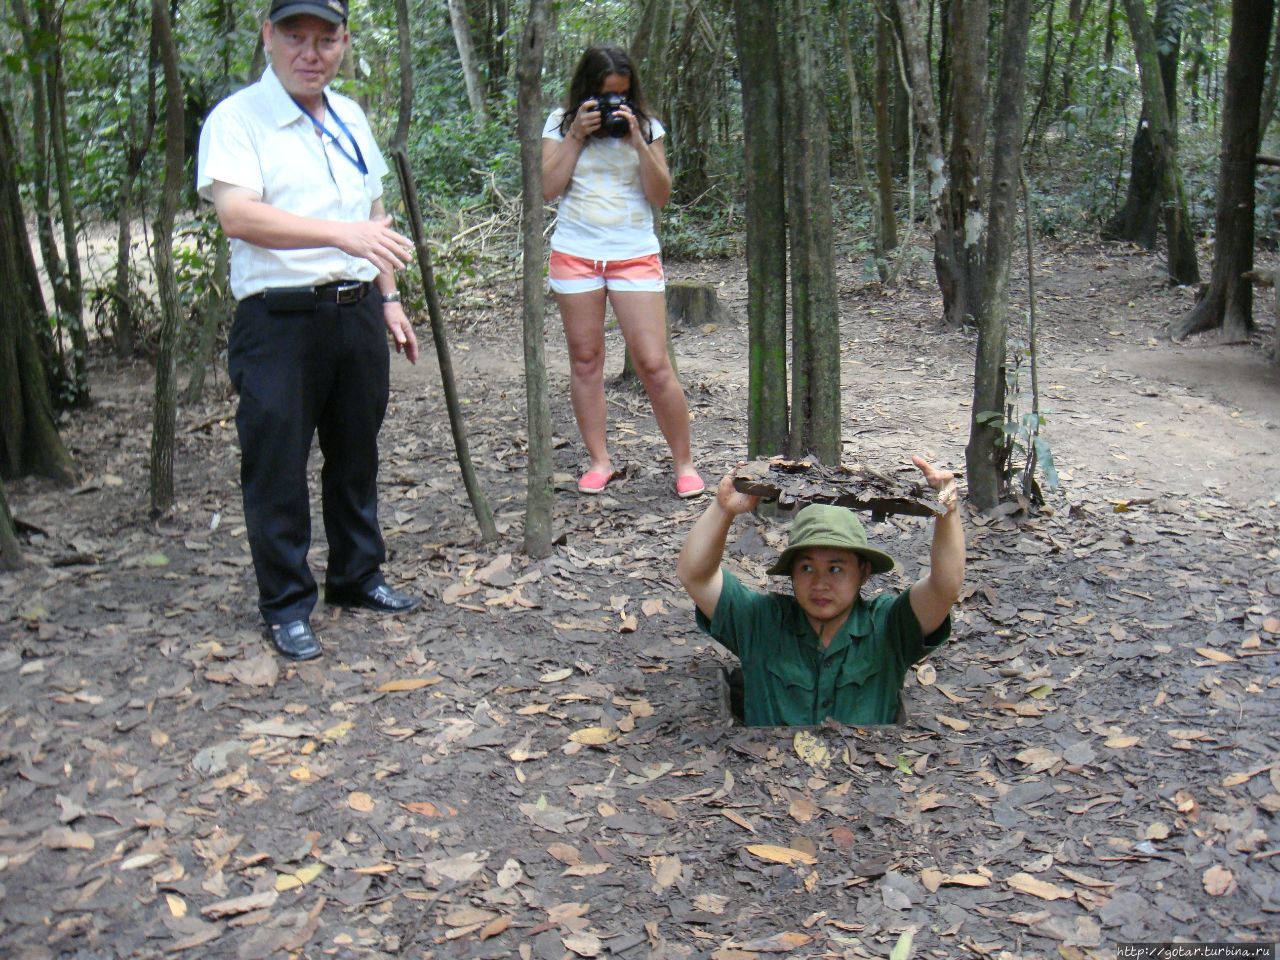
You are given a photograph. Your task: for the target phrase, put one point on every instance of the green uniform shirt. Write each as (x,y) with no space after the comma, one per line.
(790,680)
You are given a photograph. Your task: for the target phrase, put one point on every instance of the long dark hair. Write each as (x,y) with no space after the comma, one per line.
(596,64)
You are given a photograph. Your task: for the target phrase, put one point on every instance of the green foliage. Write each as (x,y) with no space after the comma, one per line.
(701,231)
(457,163)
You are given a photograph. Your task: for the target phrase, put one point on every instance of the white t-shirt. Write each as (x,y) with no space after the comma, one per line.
(258,138)
(603,213)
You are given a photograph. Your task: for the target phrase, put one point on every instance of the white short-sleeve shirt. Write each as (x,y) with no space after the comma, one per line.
(260,139)
(603,213)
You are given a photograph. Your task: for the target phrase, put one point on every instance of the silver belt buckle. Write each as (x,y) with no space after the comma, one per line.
(347,293)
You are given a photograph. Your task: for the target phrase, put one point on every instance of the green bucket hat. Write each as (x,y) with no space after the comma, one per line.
(822,525)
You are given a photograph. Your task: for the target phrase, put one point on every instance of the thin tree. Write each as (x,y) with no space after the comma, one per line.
(1137,220)
(883,96)
(538,502)
(214,303)
(166,402)
(855,136)
(137,144)
(984,454)
(1273,82)
(467,56)
(967,120)
(916,59)
(815,319)
(650,47)
(399,151)
(1229,301)
(1177,225)
(72,305)
(29,441)
(52,348)
(767,405)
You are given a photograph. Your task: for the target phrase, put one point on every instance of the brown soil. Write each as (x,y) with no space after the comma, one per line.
(1090,761)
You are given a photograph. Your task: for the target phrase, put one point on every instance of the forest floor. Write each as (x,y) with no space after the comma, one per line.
(538,763)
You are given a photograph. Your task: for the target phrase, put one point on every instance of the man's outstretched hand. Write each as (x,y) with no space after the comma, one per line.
(375,241)
(943,481)
(733,501)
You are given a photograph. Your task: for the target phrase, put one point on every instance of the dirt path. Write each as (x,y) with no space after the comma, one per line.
(538,765)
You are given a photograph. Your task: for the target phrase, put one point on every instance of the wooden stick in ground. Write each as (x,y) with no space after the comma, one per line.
(539,484)
(400,156)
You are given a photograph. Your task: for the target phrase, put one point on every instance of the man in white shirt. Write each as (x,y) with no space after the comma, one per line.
(295,177)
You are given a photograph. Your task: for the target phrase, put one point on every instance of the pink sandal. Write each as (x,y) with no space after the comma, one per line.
(593,482)
(690,486)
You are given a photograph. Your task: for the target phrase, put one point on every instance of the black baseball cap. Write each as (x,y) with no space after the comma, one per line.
(335,11)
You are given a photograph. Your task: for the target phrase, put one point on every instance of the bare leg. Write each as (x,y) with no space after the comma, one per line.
(583,317)
(643,319)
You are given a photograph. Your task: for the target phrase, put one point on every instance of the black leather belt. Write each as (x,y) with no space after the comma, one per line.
(344,291)
(341,292)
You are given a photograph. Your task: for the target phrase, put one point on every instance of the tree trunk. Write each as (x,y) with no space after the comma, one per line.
(815,319)
(968,138)
(693,303)
(41,191)
(29,441)
(699,52)
(1050,50)
(1273,81)
(1137,220)
(984,454)
(855,138)
(903,140)
(166,402)
(1229,300)
(539,481)
(1078,14)
(399,152)
(72,306)
(649,49)
(926,116)
(124,328)
(467,55)
(10,553)
(137,145)
(494,47)
(885,83)
(1177,225)
(767,404)
(1275,289)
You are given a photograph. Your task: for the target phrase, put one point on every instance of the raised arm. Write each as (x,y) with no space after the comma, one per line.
(559,157)
(934,594)
(699,565)
(655,177)
(244,216)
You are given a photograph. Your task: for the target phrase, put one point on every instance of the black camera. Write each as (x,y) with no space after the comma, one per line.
(613,123)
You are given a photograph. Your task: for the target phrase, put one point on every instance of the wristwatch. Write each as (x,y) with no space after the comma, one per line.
(393,297)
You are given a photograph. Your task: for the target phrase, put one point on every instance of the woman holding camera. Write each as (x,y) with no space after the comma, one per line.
(604,155)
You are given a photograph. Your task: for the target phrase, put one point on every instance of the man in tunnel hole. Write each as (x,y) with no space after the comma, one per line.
(824,652)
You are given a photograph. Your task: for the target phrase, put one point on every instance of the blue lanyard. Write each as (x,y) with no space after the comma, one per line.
(358,160)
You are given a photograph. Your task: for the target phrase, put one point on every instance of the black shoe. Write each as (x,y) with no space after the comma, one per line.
(294,640)
(381,598)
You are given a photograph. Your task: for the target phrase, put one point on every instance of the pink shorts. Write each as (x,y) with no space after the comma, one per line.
(570,274)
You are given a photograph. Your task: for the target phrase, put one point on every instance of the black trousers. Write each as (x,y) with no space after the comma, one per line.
(320,371)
